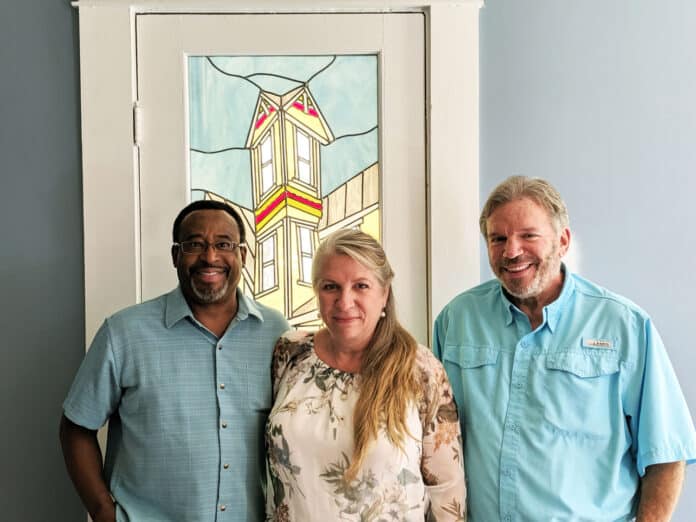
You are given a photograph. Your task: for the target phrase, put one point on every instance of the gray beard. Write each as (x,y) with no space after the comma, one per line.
(209,296)
(536,287)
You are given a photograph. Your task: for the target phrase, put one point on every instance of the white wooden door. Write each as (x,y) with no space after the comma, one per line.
(164,41)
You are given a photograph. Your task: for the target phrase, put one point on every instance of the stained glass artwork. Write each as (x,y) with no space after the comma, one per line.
(291,142)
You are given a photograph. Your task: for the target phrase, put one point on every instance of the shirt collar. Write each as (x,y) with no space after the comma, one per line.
(246,307)
(552,311)
(177,308)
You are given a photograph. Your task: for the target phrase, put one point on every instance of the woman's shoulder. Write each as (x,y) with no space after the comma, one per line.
(437,399)
(427,363)
(293,344)
(430,374)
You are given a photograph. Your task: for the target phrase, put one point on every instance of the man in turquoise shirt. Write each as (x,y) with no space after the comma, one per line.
(184,381)
(569,406)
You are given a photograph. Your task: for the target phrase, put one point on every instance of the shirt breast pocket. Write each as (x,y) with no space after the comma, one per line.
(259,388)
(580,393)
(468,357)
(474,374)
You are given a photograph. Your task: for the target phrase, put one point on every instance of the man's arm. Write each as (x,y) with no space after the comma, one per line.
(84,462)
(659,491)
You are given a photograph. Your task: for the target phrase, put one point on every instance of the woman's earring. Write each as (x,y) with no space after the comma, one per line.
(383,314)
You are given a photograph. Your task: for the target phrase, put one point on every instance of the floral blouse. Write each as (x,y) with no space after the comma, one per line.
(309,438)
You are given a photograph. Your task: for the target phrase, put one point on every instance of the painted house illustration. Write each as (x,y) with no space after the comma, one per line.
(289,216)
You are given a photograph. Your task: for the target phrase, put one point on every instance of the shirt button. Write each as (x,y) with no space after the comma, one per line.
(223,507)
(222,385)
(507,517)
(219,347)
(226,466)
(224,424)
(524,344)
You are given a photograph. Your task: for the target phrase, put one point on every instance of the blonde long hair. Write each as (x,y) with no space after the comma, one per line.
(388,381)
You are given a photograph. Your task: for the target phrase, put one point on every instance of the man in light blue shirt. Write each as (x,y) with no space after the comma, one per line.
(569,406)
(184,381)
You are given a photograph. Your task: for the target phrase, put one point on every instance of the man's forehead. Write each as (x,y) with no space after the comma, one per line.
(522,207)
(520,215)
(199,220)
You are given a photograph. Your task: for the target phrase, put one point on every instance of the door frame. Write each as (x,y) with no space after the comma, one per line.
(110,170)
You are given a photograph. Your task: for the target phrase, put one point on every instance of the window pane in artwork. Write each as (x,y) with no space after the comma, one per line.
(267,177)
(268,263)
(268,249)
(304,172)
(268,277)
(306,269)
(266,151)
(306,252)
(305,240)
(302,146)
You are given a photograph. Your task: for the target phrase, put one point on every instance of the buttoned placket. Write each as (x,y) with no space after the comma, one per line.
(225,502)
(512,427)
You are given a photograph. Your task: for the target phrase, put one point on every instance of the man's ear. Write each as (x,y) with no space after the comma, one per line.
(243,253)
(564,241)
(175,254)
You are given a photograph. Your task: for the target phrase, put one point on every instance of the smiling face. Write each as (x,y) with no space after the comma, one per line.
(351,300)
(209,278)
(525,250)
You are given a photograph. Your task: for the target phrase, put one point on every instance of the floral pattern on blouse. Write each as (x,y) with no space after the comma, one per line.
(309,438)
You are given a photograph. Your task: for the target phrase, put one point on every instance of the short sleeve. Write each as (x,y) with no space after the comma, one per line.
(660,422)
(95,393)
(439,334)
(443,461)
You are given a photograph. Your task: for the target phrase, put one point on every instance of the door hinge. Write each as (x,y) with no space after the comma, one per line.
(137,124)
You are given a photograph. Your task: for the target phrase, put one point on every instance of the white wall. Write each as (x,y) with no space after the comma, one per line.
(599,97)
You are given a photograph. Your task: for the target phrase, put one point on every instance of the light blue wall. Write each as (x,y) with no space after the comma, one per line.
(599,97)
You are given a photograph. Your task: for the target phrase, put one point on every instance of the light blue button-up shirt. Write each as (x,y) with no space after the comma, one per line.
(560,423)
(186,409)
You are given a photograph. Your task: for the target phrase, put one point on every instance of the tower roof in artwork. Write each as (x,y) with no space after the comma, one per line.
(299,108)
(233,101)
(265,114)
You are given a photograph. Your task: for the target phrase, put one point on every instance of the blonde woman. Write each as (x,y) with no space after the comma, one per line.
(364,424)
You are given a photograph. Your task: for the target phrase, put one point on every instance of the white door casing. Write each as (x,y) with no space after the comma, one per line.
(113,179)
(165,41)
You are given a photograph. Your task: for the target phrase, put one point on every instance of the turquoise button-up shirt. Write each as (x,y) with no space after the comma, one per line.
(187,410)
(560,423)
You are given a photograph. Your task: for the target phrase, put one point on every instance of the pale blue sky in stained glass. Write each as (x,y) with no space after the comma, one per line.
(223,91)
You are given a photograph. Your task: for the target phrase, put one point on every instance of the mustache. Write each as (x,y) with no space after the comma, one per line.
(504,263)
(203,265)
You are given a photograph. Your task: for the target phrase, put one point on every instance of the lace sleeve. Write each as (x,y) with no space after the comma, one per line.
(442,465)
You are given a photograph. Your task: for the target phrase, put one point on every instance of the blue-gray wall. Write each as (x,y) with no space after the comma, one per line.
(41,267)
(599,97)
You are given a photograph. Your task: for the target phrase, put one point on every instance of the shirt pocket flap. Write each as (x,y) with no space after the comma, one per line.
(584,364)
(470,356)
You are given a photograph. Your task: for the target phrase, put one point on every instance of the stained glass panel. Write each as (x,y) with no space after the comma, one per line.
(292,143)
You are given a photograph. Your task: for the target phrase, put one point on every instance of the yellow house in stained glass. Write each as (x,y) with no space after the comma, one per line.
(284,141)
(289,215)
